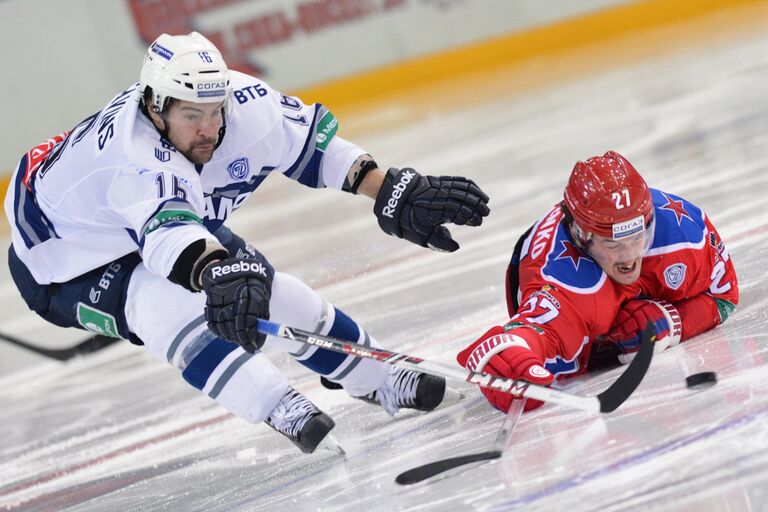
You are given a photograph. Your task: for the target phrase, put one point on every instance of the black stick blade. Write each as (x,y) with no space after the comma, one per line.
(93,344)
(420,473)
(89,346)
(627,383)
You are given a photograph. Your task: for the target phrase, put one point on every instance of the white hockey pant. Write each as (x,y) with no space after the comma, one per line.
(170,321)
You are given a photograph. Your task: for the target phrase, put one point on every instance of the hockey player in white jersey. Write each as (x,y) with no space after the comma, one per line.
(118,228)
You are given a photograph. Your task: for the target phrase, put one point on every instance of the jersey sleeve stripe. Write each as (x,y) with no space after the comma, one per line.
(34,227)
(172,211)
(306,169)
(132,234)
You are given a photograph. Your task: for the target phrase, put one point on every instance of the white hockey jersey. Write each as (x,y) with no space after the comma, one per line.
(113,185)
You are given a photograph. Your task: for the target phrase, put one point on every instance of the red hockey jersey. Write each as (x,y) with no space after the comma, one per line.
(567,301)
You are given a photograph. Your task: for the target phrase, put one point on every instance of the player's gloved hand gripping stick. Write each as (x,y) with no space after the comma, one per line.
(627,328)
(607,401)
(237,292)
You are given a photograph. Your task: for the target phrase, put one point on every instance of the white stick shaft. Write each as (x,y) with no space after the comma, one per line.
(516,388)
(513,415)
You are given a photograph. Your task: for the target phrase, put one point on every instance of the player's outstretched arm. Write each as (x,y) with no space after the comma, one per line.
(415,207)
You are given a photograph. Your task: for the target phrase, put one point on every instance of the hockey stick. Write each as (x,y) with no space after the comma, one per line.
(431,469)
(420,473)
(607,401)
(88,346)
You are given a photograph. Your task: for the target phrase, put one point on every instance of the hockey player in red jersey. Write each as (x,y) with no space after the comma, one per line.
(587,277)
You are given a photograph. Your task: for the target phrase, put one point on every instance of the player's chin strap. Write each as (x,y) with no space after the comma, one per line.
(607,401)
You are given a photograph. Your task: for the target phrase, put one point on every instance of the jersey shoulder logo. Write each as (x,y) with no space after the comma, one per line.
(674,275)
(570,252)
(238,169)
(676,206)
(566,265)
(679,224)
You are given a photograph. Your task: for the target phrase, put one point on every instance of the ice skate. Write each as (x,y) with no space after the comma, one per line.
(404,389)
(298,419)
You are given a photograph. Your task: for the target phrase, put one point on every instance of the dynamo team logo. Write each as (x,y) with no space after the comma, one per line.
(238,169)
(674,275)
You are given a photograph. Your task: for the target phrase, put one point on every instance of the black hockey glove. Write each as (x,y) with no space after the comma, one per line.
(237,293)
(415,207)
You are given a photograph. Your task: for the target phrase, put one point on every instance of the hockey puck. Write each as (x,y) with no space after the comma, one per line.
(701,379)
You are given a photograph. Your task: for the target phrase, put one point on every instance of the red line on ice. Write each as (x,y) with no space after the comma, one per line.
(114,454)
(748,233)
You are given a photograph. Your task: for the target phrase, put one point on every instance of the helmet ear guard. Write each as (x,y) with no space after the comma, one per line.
(580,236)
(188,68)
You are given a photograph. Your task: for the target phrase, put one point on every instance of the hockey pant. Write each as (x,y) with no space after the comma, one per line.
(170,322)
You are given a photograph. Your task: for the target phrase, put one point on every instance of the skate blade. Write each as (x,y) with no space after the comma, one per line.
(451,396)
(330,443)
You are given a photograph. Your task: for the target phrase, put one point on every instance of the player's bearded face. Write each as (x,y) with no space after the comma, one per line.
(193,129)
(621,259)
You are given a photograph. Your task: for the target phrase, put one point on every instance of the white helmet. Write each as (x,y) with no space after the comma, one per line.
(188,68)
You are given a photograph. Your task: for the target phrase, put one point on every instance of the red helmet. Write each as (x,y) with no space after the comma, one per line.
(608,197)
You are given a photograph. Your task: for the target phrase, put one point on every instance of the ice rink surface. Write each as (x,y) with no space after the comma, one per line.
(117,430)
